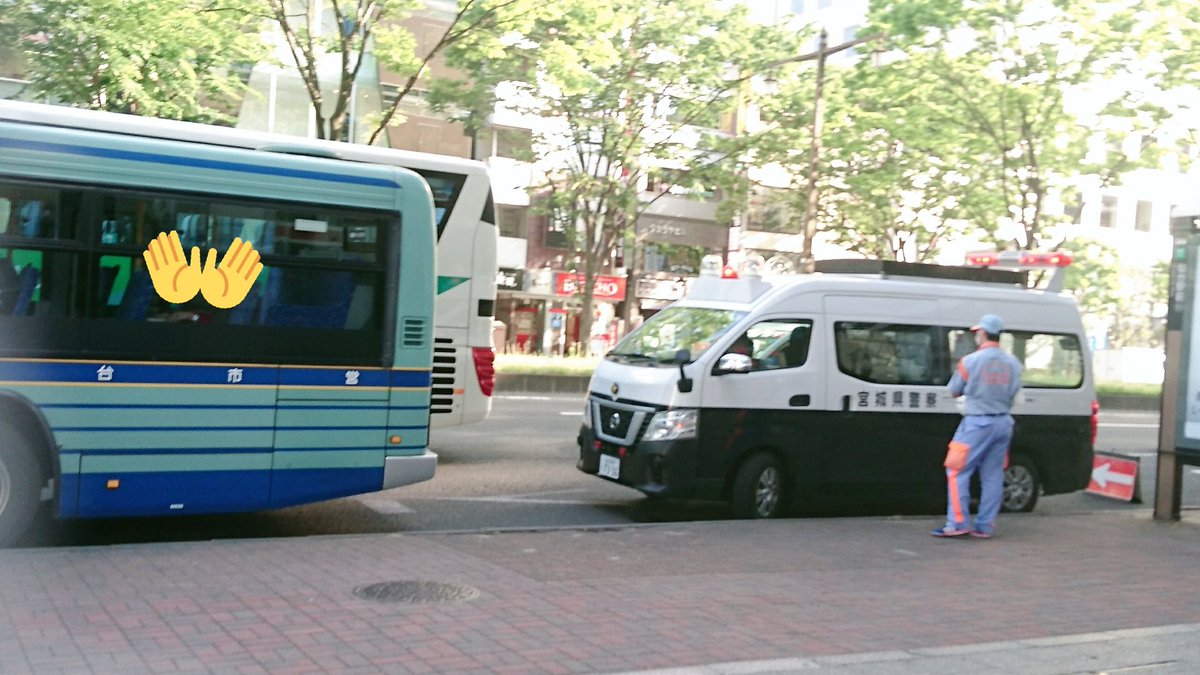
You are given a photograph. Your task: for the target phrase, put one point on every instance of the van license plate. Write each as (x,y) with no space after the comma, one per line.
(610,467)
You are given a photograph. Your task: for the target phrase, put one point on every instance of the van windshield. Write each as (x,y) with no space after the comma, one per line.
(672,329)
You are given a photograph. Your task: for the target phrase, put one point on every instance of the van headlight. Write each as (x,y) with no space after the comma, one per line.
(672,425)
(587,414)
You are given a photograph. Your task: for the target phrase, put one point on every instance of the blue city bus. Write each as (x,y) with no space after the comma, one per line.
(116,402)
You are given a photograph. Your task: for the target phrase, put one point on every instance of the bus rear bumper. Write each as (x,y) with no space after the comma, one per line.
(398,471)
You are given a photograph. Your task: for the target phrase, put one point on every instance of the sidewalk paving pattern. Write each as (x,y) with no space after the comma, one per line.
(1051,594)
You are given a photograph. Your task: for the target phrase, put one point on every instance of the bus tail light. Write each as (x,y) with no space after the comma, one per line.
(1095,420)
(485,369)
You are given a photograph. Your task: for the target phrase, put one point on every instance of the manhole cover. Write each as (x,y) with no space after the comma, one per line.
(416,592)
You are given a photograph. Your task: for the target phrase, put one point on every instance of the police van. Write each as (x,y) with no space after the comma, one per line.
(842,392)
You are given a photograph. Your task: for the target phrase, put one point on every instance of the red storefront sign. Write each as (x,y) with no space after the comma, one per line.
(1114,476)
(606,288)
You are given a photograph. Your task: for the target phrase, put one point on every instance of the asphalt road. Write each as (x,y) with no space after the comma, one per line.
(517,470)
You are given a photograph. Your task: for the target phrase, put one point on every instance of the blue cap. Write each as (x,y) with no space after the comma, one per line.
(990,323)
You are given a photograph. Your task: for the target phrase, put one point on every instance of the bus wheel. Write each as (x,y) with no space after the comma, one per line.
(758,488)
(19,487)
(1021,485)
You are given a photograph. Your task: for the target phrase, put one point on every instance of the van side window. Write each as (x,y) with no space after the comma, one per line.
(890,353)
(780,343)
(1051,360)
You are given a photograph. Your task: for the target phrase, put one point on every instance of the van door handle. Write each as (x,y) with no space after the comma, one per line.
(799,400)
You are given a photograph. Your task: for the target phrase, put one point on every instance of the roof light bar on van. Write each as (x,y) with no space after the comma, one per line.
(1019,259)
(711,265)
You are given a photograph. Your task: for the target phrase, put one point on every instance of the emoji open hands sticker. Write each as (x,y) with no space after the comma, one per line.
(175,279)
(227,284)
(223,285)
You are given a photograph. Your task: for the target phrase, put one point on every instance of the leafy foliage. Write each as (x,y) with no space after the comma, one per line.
(338,44)
(174,59)
(621,86)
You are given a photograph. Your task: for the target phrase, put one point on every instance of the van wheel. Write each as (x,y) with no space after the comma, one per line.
(19,486)
(1021,485)
(758,488)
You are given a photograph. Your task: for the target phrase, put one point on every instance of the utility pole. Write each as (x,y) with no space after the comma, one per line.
(814,156)
(818,122)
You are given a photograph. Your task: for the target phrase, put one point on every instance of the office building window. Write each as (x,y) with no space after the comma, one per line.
(512,220)
(797,6)
(1108,211)
(822,4)
(849,34)
(556,232)
(1073,210)
(506,142)
(1145,210)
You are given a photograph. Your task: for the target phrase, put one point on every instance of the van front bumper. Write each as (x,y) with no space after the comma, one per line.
(657,469)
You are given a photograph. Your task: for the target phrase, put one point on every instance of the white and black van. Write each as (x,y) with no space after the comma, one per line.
(844,392)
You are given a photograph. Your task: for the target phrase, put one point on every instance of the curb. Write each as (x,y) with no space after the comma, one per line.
(513,383)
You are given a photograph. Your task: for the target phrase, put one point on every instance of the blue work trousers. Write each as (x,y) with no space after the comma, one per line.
(980,443)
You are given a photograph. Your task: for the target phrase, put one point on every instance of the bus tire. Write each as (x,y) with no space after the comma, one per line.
(20,486)
(758,487)
(1022,485)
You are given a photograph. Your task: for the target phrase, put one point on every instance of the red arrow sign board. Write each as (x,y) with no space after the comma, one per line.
(1114,476)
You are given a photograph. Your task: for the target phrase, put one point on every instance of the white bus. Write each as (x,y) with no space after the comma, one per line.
(463,373)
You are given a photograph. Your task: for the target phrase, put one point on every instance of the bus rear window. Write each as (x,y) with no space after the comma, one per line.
(446,187)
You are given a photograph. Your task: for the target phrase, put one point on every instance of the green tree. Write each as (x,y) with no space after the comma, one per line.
(348,32)
(175,59)
(996,79)
(891,187)
(621,86)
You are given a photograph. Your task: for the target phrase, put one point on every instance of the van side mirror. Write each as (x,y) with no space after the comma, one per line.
(682,358)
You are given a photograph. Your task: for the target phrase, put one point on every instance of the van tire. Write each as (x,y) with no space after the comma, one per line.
(758,487)
(1022,485)
(20,485)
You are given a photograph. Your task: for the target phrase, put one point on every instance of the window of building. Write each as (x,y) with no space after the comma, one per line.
(556,232)
(797,6)
(848,34)
(413,97)
(1145,210)
(1108,211)
(822,4)
(1073,210)
(507,142)
(512,220)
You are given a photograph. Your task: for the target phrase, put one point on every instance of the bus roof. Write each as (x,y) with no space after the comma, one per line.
(150,127)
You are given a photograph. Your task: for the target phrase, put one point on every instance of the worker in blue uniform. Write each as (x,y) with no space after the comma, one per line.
(989,378)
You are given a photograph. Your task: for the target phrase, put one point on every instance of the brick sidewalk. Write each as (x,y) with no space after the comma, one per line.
(611,599)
